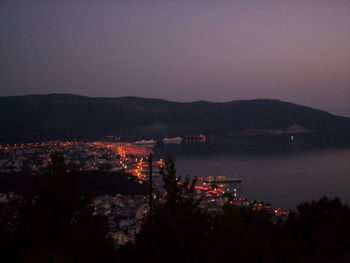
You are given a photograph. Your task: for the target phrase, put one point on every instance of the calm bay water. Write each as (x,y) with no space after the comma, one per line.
(283,175)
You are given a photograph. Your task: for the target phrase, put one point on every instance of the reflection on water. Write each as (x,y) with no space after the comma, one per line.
(283,175)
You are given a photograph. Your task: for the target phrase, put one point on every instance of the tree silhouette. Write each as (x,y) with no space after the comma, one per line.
(240,234)
(320,231)
(56,223)
(177,192)
(178,228)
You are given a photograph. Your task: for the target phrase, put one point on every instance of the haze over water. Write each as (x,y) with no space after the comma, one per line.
(281,175)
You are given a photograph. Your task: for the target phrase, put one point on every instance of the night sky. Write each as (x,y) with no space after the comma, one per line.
(293,50)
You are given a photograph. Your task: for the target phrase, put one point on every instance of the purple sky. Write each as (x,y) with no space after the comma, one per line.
(293,50)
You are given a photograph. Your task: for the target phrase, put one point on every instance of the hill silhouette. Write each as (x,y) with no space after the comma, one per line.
(67,116)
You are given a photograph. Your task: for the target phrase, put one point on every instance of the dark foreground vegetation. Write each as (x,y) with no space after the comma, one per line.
(55,224)
(97,182)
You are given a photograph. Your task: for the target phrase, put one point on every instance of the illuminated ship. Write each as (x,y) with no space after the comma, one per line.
(145,142)
(222,179)
(177,140)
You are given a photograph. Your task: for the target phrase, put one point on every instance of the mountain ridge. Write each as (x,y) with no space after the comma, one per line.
(64,116)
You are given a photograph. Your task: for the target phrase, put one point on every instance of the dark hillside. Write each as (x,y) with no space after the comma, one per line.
(65,116)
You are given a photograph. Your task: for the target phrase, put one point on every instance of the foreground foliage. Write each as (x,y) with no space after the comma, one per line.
(179,231)
(56,224)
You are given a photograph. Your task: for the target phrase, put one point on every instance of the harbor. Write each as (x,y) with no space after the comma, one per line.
(134,159)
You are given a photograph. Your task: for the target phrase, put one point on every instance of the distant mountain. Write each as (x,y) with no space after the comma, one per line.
(65,116)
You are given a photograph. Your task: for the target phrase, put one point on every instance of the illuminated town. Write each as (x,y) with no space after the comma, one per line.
(125,213)
(110,157)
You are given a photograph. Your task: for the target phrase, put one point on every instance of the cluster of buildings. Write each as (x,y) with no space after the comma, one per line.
(34,158)
(124,213)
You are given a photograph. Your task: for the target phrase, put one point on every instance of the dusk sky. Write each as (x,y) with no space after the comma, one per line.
(292,50)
